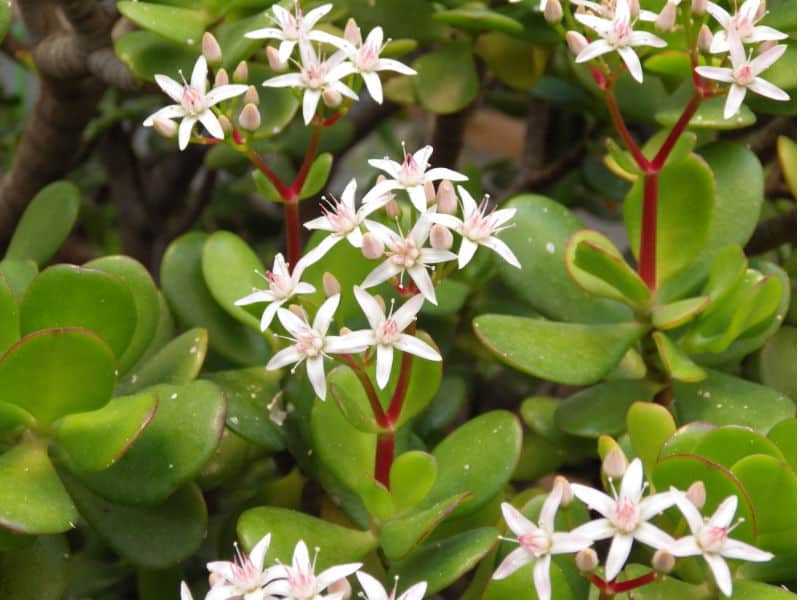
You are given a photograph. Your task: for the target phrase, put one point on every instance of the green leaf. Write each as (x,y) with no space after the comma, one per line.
(726,400)
(176,363)
(649,426)
(147,54)
(155,537)
(565,352)
(670,63)
(443,562)
(478,457)
(171,451)
(32,498)
(601,409)
(755,590)
(411,478)
(57,372)
(145,298)
(787,156)
(708,116)
(184,287)
(18,274)
(181,25)
(686,439)
(677,365)
(95,440)
(776,362)
(232,271)
(538,238)
(517,63)
(87,298)
(235,46)
(21,571)
(684,187)
(447,80)
(675,314)
(338,544)
(682,149)
(266,188)
(317,176)
(731,443)
(784,435)
(478,19)
(46,222)
(9,325)
(5,17)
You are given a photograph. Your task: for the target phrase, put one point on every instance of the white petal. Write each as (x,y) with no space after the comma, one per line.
(335,573)
(173,111)
(381,273)
(417,195)
(224,92)
(383,233)
(371,586)
(322,223)
(300,561)
(378,196)
(725,512)
(387,64)
(186,594)
(374,37)
(617,555)
(372,310)
(326,38)
(693,517)
(770,90)
(631,60)
(311,17)
(541,576)
(762,33)
(324,316)
(622,11)
(652,536)
(350,343)
(516,521)
(645,38)
(736,49)
(340,71)
(631,486)
(419,233)
(269,314)
(449,221)
(287,80)
(430,256)
(721,572)
(594,499)
(412,345)
(656,504)
(567,543)
(715,73)
(404,315)
(599,24)
(741,551)
(259,551)
(415,592)
(423,281)
(257,296)
(310,102)
(502,249)
(686,546)
(599,529)
(720,14)
(321,249)
(292,323)
(185,131)
(222,592)
(383,365)
(356,238)
(766,59)
(374,86)
(593,50)
(502,216)
(422,156)
(342,89)
(516,559)
(547,516)
(200,74)
(170,87)
(719,43)
(287,356)
(316,375)
(468,204)
(211,123)
(442,173)
(267,33)
(466,252)
(285,50)
(221,567)
(391,167)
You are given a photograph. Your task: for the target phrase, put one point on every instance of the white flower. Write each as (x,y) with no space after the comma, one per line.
(411,176)
(343,221)
(625,518)
(741,24)
(193,103)
(294,29)
(375,591)
(479,228)
(282,286)
(606,9)
(299,582)
(366,61)
(618,34)
(312,344)
(538,543)
(744,75)
(186,593)
(710,539)
(243,578)
(315,77)
(406,254)
(386,333)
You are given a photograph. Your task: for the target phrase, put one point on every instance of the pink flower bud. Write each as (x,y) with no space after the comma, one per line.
(211,49)
(446,199)
(576,42)
(663,561)
(330,285)
(341,587)
(226,125)
(274,60)
(165,127)
(352,32)
(299,312)
(250,117)
(345,330)
(696,494)
(441,237)
(666,18)
(241,73)
(699,7)
(331,98)
(586,560)
(221,78)
(566,490)
(704,38)
(430,192)
(251,96)
(762,10)
(553,13)
(371,246)
(634,9)
(768,45)
(392,208)
(615,463)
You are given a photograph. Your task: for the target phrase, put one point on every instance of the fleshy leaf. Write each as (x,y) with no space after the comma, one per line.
(675,314)
(649,426)
(784,435)
(181,25)
(317,176)
(447,80)
(677,365)
(21,570)
(411,478)
(9,325)
(731,443)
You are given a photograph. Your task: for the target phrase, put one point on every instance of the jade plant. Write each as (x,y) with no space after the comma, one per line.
(282,347)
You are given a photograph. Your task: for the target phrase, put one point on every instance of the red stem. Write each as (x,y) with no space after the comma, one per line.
(308,159)
(618,587)
(369,389)
(291,217)
(384,456)
(622,129)
(663,153)
(399,395)
(647,240)
(262,166)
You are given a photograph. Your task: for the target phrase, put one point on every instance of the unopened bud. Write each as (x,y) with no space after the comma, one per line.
(576,42)
(241,73)
(553,13)
(211,49)
(446,199)
(274,60)
(430,192)
(696,494)
(341,589)
(331,98)
(352,32)
(663,561)
(441,237)
(299,312)
(762,10)
(586,560)
(371,246)
(634,9)
(165,127)
(768,45)
(392,208)
(345,330)
(250,117)
(704,39)
(221,78)
(699,7)
(615,463)
(666,18)
(566,490)
(225,123)
(330,285)
(251,96)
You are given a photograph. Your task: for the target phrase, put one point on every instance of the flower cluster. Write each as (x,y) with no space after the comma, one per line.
(413,253)
(247,578)
(624,518)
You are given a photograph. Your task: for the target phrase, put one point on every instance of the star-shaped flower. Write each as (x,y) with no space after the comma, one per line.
(537,543)
(406,254)
(710,539)
(311,343)
(743,75)
(742,24)
(606,9)
(315,77)
(386,333)
(299,582)
(478,228)
(283,285)
(624,517)
(365,59)
(618,35)
(245,577)
(375,591)
(193,103)
(411,176)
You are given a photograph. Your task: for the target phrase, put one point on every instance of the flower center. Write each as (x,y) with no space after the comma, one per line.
(478,226)
(405,254)
(292,28)
(625,515)
(387,332)
(742,26)
(743,75)
(310,343)
(537,542)
(314,75)
(341,218)
(620,33)
(302,585)
(411,173)
(279,285)
(193,101)
(713,538)
(367,58)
